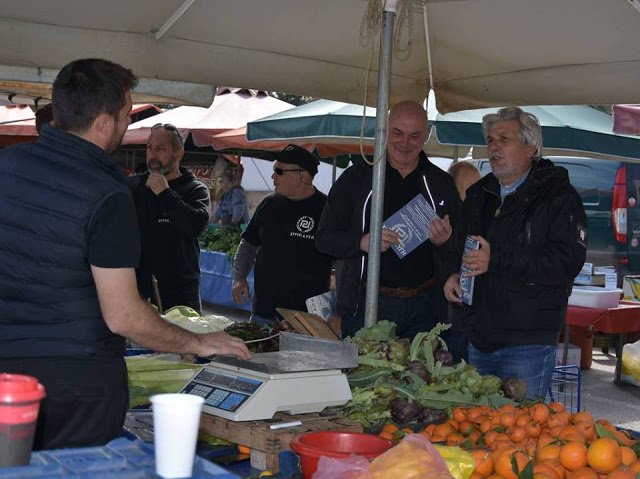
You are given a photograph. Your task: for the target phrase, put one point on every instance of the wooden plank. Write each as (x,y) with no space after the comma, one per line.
(267,442)
(307,323)
(290,318)
(316,325)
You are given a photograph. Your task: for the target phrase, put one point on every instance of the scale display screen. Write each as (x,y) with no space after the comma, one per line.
(224,391)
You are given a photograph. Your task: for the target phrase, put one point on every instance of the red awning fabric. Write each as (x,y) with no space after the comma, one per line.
(626,119)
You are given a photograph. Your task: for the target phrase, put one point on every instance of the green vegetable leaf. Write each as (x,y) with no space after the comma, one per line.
(371,359)
(602,432)
(527,471)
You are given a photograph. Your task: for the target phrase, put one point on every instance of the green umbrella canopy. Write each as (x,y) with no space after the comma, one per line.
(568,128)
(321,121)
(327,122)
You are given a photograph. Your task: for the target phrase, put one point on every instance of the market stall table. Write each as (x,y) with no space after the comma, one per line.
(620,321)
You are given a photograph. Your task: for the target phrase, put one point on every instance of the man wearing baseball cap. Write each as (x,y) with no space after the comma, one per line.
(280,241)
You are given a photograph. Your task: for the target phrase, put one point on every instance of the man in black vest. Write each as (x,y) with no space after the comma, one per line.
(173,209)
(69,246)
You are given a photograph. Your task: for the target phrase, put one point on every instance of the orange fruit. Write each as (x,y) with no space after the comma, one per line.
(583,473)
(545,469)
(556,465)
(460,414)
(516,434)
(628,455)
(622,437)
(503,463)
(406,430)
(604,455)
(484,461)
(622,472)
(635,466)
(533,429)
(390,428)
(475,475)
(454,423)
(573,455)
(545,439)
(444,430)
(438,438)
(582,416)
(507,419)
(429,429)
(455,439)
(550,451)
(539,413)
(490,437)
(473,412)
(556,406)
(465,427)
(522,419)
(587,429)
(387,435)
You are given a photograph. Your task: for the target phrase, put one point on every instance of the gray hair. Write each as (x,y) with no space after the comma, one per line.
(530,131)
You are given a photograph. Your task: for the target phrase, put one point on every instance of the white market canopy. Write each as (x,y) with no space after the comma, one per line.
(231,109)
(483,52)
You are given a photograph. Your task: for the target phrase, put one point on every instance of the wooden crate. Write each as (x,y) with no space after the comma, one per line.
(266,443)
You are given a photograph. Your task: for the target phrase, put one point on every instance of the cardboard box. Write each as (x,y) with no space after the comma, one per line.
(573,354)
(631,287)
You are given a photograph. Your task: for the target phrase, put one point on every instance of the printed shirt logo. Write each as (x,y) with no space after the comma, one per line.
(304,225)
(582,235)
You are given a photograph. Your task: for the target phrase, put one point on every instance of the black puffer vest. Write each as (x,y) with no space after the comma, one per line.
(49,192)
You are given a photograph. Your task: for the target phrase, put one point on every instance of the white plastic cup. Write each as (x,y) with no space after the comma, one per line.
(176,418)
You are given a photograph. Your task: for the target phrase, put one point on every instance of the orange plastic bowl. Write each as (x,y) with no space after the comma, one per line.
(311,445)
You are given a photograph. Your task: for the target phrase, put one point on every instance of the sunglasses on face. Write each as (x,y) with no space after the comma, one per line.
(280,171)
(171,129)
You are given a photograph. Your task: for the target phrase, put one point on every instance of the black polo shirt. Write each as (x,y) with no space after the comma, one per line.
(418,266)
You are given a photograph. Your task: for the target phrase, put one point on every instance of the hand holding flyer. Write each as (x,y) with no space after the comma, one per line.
(411,223)
(467,282)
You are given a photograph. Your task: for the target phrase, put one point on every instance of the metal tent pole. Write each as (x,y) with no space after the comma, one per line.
(377,198)
(334,170)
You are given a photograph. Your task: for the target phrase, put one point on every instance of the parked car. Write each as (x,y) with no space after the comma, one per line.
(610,192)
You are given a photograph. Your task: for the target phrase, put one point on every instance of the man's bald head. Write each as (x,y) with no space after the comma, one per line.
(409,108)
(408,130)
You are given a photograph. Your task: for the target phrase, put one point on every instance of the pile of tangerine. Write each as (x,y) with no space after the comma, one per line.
(559,445)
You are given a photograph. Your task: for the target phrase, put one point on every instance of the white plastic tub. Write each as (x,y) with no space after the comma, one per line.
(594,297)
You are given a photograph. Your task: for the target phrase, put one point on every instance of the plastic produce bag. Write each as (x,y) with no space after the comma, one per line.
(414,458)
(631,363)
(460,463)
(352,467)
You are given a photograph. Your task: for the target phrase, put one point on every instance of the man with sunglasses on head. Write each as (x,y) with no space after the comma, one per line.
(70,244)
(280,241)
(173,210)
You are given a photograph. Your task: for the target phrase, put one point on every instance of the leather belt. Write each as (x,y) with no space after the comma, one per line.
(404,292)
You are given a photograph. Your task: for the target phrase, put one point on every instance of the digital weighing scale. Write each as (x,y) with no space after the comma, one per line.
(241,390)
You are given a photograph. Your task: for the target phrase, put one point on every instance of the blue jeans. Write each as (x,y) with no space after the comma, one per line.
(532,364)
(412,315)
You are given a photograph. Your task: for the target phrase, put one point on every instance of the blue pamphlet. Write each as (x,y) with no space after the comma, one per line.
(411,223)
(467,282)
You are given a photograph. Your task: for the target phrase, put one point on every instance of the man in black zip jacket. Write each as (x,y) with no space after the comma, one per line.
(410,288)
(531,226)
(173,209)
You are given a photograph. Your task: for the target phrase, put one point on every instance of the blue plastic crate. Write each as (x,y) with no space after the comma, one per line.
(120,459)
(565,388)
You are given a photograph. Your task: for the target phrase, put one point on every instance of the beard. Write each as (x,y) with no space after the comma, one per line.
(157,166)
(115,141)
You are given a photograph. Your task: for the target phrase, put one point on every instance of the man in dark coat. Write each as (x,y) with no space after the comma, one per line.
(410,291)
(531,226)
